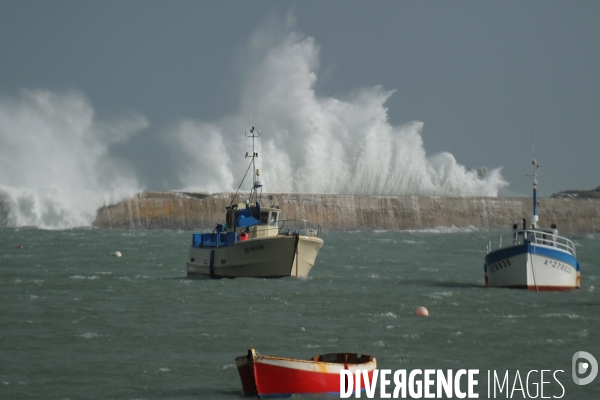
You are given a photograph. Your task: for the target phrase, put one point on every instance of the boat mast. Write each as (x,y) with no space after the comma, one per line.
(534,217)
(256,182)
(254,134)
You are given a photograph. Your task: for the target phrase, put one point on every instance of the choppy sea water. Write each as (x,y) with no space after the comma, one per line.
(78,323)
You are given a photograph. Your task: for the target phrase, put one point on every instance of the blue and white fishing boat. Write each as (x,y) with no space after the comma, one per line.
(255,241)
(532,257)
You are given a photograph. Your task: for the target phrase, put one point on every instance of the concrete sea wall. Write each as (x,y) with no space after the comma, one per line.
(189,211)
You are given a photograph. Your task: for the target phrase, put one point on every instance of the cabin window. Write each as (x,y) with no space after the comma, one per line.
(274,218)
(264,217)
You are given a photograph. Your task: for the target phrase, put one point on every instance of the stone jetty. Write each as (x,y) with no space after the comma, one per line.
(339,212)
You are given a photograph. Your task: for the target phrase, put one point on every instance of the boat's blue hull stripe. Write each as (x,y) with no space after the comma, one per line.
(508,252)
(503,254)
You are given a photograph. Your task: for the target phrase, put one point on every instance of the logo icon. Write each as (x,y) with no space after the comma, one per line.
(580,367)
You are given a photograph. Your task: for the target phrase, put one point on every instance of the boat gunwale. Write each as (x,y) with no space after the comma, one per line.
(530,248)
(259,357)
(513,237)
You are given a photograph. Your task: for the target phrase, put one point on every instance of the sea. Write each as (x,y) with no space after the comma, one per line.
(77,322)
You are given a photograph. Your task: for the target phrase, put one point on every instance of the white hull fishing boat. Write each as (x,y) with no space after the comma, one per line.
(531,257)
(255,241)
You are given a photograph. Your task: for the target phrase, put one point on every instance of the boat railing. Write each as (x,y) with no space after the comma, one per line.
(302,227)
(533,236)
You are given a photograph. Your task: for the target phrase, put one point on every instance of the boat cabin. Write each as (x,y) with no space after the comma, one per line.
(253,219)
(243,221)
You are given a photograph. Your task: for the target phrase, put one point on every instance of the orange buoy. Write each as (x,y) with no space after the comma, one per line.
(243,235)
(422,312)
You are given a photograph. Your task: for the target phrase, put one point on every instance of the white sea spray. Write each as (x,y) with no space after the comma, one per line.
(59,163)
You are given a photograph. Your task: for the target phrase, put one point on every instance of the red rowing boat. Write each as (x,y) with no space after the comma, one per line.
(278,376)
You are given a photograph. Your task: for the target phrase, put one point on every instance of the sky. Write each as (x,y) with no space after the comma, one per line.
(104,99)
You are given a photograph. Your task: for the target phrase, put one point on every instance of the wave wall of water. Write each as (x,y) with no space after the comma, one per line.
(59,164)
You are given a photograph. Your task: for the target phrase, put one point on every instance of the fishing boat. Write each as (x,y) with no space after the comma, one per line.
(531,257)
(255,241)
(267,376)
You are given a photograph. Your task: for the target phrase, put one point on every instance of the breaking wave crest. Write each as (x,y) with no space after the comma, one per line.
(58,164)
(55,161)
(319,144)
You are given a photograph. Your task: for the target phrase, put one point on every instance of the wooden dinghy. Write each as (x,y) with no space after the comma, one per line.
(267,376)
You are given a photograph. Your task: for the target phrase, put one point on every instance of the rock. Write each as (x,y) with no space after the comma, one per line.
(579,194)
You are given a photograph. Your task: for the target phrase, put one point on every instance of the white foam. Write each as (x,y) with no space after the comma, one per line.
(511,316)
(318,144)
(90,335)
(445,229)
(55,161)
(439,295)
(582,334)
(80,277)
(58,167)
(562,315)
